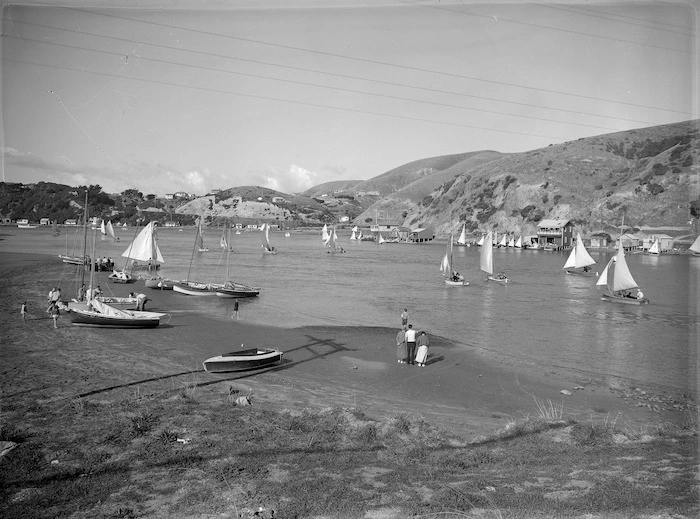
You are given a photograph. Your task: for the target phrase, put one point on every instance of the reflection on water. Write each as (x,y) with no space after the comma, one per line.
(543,315)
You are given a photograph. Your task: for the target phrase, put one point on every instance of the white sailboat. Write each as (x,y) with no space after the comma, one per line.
(481,241)
(324,233)
(695,247)
(142,254)
(353,236)
(267,248)
(462,240)
(655,248)
(200,238)
(504,241)
(618,278)
(109,231)
(381,239)
(579,259)
(452,277)
(519,243)
(103,228)
(332,241)
(486,261)
(511,242)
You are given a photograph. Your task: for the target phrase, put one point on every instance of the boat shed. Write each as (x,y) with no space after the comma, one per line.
(666,242)
(557,233)
(421,235)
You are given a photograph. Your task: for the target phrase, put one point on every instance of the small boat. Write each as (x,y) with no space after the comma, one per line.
(191,288)
(353,236)
(486,261)
(230,289)
(121,276)
(695,247)
(242,360)
(200,238)
(452,277)
(102,315)
(267,248)
(579,259)
(26,226)
(287,235)
(462,240)
(159,283)
(143,249)
(324,233)
(618,278)
(114,300)
(655,248)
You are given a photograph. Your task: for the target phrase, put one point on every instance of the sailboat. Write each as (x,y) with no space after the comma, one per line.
(579,259)
(519,243)
(267,248)
(84,259)
(481,241)
(618,278)
(655,248)
(230,289)
(143,249)
(504,241)
(56,232)
(353,236)
(324,233)
(462,240)
(452,277)
(511,242)
(109,230)
(486,261)
(332,241)
(200,238)
(381,239)
(695,247)
(100,314)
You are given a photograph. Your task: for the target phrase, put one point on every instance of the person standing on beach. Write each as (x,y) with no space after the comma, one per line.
(410,345)
(401,345)
(141,302)
(235,309)
(54,315)
(404,317)
(49,300)
(23,311)
(422,353)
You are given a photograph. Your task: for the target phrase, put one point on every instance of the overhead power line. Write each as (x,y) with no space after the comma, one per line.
(281,100)
(333,74)
(384,63)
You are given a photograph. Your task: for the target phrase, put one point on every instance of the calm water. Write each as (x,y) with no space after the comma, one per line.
(543,316)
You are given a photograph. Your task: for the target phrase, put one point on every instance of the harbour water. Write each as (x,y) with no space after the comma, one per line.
(543,316)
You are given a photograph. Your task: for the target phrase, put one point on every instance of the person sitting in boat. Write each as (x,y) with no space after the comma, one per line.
(501,275)
(640,294)
(456,276)
(586,269)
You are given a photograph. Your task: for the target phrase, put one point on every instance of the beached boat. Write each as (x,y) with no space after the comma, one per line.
(158,282)
(142,254)
(103,315)
(242,360)
(486,261)
(579,260)
(695,247)
(619,281)
(267,248)
(114,300)
(452,277)
(230,289)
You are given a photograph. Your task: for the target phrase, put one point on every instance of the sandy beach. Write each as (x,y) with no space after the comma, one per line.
(460,389)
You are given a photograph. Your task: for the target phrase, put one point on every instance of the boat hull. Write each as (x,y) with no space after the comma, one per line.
(196,289)
(88,318)
(243,360)
(624,300)
(451,283)
(503,281)
(581,273)
(159,284)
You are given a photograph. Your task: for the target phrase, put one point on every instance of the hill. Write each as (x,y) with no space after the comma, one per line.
(649,176)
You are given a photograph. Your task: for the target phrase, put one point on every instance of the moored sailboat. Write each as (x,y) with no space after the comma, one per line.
(655,248)
(486,261)
(267,248)
(579,259)
(695,247)
(462,240)
(619,281)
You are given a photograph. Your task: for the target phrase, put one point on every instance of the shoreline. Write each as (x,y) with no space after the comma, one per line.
(461,389)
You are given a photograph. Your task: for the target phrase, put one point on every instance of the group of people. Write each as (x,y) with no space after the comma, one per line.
(53,300)
(412,346)
(88,293)
(104,264)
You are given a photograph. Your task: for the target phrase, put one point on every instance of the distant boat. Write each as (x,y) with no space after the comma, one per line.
(579,259)
(462,240)
(142,254)
(231,289)
(511,242)
(26,226)
(618,278)
(332,241)
(287,235)
(242,360)
(199,237)
(504,241)
(353,236)
(267,248)
(486,261)
(695,247)
(655,248)
(324,233)
(381,239)
(481,241)
(519,243)
(452,277)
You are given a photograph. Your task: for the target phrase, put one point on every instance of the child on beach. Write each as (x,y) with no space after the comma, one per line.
(54,314)
(23,311)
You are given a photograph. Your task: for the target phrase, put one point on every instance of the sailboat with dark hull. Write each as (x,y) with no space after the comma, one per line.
(619,281)
(579,261)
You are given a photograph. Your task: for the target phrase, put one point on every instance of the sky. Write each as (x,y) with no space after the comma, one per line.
(192,96)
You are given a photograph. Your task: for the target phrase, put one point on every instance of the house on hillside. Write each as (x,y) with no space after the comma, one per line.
(278,200)
(71,221)
(556,234)
(45,221)
(384,227)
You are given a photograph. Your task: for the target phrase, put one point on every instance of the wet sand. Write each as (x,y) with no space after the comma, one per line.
(459,389)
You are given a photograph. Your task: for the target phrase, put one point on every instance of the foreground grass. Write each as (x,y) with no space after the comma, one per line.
(186,453)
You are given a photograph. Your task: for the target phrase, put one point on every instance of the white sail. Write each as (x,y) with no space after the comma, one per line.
(145,247)
(223,242)
(519,243)
(603,279)
(266,237)
(579,256)
(695,247)
(110,230)
(324,233)
(462,240)
(654,249)
(503,242)
(446,264)
(511,242)
(486,260)
(481,241)
(103,229)
(200,237)
(622,277)
(352,236)
(381,239)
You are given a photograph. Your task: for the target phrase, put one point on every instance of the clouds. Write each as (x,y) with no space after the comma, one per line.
(295,180)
